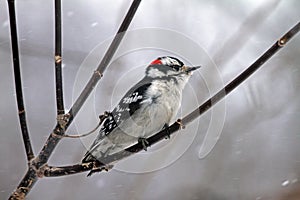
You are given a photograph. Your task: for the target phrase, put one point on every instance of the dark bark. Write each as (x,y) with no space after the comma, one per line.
(58,60)
(18,80)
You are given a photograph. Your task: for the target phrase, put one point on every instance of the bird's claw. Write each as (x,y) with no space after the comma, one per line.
(168,135)
(104,115)
(144,142)
(179,121)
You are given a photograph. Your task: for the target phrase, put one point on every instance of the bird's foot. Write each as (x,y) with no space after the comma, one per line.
(144,142)
(105,115)
(179,121)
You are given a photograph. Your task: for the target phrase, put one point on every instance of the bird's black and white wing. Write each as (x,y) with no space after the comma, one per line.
(127,106)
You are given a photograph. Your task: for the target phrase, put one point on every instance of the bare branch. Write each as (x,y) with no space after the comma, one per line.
(18,80)
(51,171)
(243,76)
(180,123)
(105,60)
(58,60)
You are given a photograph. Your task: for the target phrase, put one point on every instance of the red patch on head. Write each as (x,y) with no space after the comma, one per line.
(156,62)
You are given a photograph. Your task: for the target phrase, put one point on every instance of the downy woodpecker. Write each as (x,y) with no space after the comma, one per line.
(147,108)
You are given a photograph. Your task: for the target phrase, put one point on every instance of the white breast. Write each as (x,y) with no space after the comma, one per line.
(160,107)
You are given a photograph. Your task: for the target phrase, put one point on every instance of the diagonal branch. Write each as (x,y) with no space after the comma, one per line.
(68,170)
(105,61)
(31,176)
(18,80)
(58,60)
(243,76)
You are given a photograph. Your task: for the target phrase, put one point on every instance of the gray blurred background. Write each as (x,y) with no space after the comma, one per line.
(256,155)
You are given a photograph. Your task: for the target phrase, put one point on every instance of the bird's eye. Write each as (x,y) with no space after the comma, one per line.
(176,67)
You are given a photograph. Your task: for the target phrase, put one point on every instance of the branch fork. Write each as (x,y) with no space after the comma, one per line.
(62,120)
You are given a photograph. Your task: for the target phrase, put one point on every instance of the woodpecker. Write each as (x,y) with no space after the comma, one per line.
(147,108)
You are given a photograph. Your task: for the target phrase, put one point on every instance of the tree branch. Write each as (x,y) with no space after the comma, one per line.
(180,123)
(51,171)
(31,175)
(243,76)
(58,60)
(105,61)
(18,80)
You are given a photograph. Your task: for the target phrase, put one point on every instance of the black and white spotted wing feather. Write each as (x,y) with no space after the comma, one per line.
(130,103)
(127,106)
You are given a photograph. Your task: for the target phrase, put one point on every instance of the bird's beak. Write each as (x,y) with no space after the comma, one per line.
(190,69)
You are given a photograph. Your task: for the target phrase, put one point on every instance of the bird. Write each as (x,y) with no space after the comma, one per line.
(146,108)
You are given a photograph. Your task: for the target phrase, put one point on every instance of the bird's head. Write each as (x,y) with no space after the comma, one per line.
(169,67)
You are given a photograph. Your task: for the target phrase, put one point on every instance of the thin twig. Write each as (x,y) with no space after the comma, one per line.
(74,136)
(58,60)
(101,119)
(18,80)
(180,123)
(31,177)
